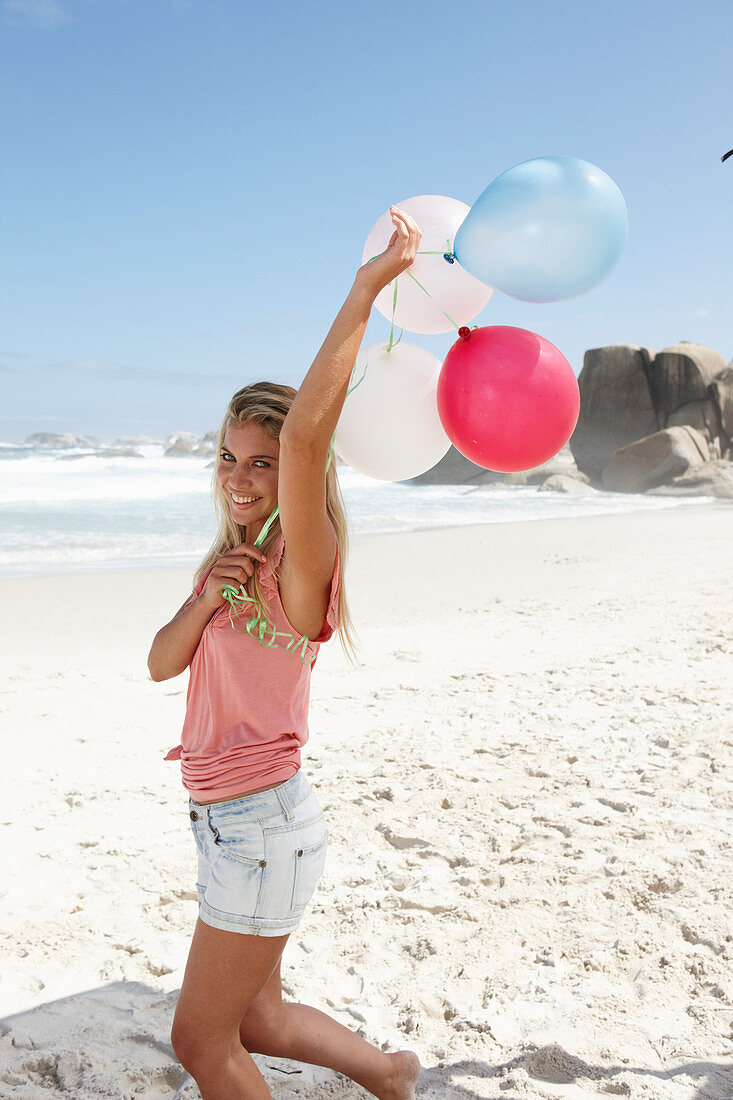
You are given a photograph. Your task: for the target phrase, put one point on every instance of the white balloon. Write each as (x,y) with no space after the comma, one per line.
(453,289)
(389,427)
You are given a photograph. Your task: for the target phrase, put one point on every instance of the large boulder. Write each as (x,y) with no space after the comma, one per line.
(721,389)
(566,483)
(120,452)
(180,449)
(561,463)
(43,440)
(710,479)
(616,407)
(176,437)
(454,469)
(205,447)
(655,460)
(680,380)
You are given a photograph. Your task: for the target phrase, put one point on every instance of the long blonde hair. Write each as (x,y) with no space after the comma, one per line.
(267,404)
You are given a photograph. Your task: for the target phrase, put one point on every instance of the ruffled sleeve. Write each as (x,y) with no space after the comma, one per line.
(268,571)
(332,620)
(268,582)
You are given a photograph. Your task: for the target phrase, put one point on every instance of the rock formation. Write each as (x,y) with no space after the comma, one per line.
(566,483)
(454,469)
(655,460)
(713,478)
(561,464)
(646,418)
(119,452)
(721,389)
(180,449)
(680,379)
(53,440)
(616,406)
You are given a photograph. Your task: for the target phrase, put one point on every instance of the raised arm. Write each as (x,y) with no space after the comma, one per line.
(305,438)
(311,422)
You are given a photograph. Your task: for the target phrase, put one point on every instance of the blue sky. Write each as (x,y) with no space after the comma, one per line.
(187,184)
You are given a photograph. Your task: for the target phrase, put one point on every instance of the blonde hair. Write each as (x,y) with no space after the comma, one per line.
(267,404)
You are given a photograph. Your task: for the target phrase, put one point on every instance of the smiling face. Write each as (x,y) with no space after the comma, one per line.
(247,472)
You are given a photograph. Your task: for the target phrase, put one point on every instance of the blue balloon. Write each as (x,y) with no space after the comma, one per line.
(546,230)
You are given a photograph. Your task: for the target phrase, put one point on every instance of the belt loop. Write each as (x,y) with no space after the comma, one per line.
(285,803)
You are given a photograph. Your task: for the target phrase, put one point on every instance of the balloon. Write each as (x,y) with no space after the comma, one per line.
(507,398)
(545,231)
(389,427)
(452,288)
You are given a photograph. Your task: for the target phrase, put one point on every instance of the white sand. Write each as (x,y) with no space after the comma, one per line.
(527,781)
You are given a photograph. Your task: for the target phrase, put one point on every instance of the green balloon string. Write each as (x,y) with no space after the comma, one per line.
(448,255)
(432,299)
(355,386)
(392,340)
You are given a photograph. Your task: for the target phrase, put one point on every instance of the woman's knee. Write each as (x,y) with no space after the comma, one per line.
(185,1040)
(195,1045)
(263,1028)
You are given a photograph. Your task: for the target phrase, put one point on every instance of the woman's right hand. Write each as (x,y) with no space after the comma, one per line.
(234,567)
(175,644)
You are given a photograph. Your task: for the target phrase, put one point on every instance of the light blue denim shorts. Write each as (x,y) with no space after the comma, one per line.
(260,858)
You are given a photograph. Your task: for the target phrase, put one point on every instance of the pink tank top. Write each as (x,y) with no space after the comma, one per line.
(247,705)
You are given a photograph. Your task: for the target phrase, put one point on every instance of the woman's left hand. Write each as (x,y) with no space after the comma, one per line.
(396,258)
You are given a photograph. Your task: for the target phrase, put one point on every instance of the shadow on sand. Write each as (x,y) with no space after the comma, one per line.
(115,1036)
(114,1040)
(554,1066)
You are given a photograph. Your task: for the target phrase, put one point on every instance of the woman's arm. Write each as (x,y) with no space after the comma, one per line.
(305,438)
(311,422)
(175,644)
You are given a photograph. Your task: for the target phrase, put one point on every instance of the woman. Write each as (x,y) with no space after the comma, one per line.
(258,828)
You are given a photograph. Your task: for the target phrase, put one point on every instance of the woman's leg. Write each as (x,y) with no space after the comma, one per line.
(281,1030)
(224,974)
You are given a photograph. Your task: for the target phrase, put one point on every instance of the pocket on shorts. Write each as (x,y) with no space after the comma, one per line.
(308,868)
(240,840)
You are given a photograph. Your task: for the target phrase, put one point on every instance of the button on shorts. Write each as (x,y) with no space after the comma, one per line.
(260,858)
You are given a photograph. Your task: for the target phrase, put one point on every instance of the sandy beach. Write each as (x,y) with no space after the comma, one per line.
(527,783)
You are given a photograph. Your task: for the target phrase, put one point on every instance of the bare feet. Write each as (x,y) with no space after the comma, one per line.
(404,1078)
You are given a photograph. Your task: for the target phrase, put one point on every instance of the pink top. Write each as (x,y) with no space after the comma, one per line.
(247,705)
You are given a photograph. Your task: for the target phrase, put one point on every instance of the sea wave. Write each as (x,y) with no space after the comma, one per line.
(71,510)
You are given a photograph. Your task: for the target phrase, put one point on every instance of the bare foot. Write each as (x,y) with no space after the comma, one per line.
(405,1076)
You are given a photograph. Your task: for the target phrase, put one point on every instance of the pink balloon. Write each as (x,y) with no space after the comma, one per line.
(507,398)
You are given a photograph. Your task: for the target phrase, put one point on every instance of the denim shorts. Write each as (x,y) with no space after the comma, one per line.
(260,858)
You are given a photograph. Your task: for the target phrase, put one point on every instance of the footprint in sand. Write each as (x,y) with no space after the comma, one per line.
(401,842)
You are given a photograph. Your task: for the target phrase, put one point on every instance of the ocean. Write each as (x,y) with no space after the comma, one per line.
(71,510)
